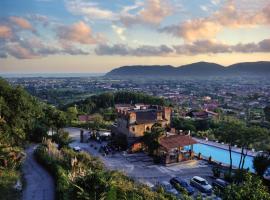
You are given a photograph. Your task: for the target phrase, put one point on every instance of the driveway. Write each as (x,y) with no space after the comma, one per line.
(39,183)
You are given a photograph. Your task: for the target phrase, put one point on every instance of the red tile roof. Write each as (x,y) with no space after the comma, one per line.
(175,141)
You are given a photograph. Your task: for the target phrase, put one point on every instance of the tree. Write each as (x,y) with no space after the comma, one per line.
(71,113)
(62,139)
(267,112)
(260,163)
(183,124)
(150,139)
(60,120)
(252,189)
(247,137)
(38,133)
(229,131)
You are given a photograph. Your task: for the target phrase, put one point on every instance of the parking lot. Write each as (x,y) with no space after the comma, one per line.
(140,166)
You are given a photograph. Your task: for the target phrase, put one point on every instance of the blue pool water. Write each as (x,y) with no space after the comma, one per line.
(222,155)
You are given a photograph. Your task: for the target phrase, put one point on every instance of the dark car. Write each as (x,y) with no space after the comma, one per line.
(220,184)
(201,184)
(174,181)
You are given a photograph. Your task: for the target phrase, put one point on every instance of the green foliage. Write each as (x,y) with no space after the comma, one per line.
(62,139)
(150,139)
(38,132)
(71,114)
(267,112)
(19,111)
(216,172)
(81,176)
(183,124)
(97,103)
(8,178)
(120,140)
(260,163)
(251,189)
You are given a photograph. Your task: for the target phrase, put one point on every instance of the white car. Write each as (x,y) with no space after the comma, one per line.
(201,184)
(168,188)
(78,149)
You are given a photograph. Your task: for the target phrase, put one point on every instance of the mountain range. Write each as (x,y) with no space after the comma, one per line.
(261,68)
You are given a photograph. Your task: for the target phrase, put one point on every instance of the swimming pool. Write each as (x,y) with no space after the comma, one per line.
(222,155)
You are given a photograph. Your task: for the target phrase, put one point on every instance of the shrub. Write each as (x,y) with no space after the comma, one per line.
(216,171)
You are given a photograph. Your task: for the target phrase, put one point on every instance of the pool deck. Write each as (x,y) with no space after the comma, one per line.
(224,146)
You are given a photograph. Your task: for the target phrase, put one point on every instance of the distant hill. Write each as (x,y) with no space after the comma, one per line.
(142,70)
(250,68)
(195,69)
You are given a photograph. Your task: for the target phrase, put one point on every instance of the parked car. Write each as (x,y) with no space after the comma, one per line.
(201,184)
(77,149)
(167,188)
(174,181)
(220,184)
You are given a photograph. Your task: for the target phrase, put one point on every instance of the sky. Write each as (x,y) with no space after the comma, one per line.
(95,36)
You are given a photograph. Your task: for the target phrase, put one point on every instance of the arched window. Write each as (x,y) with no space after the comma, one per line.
(133,129)
(147,128)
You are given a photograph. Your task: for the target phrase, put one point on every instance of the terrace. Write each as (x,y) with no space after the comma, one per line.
(172,148)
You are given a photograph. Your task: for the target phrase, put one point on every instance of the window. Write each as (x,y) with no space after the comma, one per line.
(147,128)
(133,129)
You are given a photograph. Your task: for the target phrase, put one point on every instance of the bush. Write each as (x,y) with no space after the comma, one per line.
(8,179)
(216,171)
(81,176)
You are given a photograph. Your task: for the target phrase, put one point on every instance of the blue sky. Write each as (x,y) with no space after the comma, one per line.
(98,35)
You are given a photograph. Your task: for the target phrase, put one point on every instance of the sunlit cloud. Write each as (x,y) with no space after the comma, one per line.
(209,27)
(5,31)
(21,22)
(78,32)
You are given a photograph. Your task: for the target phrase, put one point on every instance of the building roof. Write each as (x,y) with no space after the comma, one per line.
(143,116)
(176,141)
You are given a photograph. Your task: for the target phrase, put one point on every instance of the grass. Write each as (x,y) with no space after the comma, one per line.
(8,179)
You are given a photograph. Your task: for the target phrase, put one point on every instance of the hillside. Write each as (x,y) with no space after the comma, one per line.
(195,69)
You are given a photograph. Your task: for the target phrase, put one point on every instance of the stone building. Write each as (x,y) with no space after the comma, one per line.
(134,120)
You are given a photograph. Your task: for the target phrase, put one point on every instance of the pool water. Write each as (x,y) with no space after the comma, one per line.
(222,155)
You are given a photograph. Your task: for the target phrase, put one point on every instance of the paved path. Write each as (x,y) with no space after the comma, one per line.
(39,183)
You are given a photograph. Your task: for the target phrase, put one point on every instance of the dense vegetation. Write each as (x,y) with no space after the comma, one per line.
(81,176)
(19,113)
(22,118)
(99,103)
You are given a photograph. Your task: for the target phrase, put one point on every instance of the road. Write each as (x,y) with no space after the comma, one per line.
(39,183)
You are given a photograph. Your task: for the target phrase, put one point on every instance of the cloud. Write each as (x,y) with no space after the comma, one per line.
(5,31)
(155,11)
(202,47)
(31,45)
(124,50)
(194,30)
(17,51)
(148,12)
(21,22)
(265,45)
(78,33)
(195,48)
(214,47)
(204,8)
(229,16)
(34,47)
(152,12)
(119,31)
(90,10)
